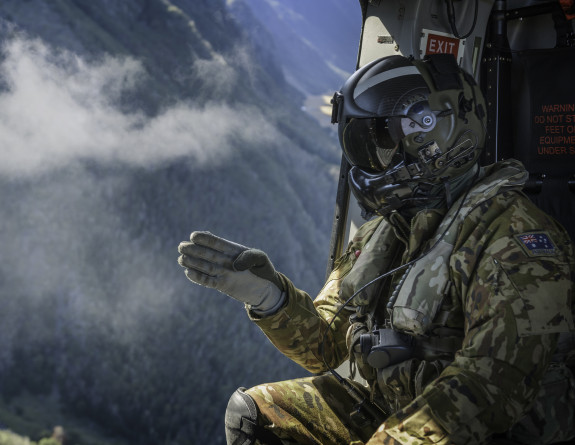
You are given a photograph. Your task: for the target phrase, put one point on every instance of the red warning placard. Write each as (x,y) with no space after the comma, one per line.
(554,129)
(568,7)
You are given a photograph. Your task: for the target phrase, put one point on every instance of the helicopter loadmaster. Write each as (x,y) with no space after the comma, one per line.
(452,303)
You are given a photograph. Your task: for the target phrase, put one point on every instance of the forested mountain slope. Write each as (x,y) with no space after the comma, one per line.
(315,41)
(124,126)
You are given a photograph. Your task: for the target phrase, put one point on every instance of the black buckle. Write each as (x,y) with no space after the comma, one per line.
(336,100)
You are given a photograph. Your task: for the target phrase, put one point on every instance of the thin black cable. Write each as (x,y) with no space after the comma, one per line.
(351,389)
(380,277)
(451,16)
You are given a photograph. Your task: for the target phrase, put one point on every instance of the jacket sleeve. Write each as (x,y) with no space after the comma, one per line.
(516,298)
(313,333)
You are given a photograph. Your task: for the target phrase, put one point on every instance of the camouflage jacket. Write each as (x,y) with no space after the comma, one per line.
(508,296)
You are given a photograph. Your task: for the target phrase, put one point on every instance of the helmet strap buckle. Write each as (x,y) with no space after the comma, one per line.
(447,188)
(465,106)
(336,100)
(430,153)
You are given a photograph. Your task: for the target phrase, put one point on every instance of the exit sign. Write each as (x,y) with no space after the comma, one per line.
(437,42)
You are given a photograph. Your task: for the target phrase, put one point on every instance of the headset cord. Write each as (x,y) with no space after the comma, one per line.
(451,16)
(373,409)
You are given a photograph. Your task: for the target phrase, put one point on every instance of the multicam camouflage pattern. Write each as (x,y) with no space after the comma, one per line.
(380,250)
(309,411)
(555,401)
(504,306)
(413,310)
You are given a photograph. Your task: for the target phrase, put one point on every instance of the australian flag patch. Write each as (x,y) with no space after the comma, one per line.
(537,244)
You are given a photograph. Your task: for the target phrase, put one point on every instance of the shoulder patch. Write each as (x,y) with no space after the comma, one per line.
(537,244)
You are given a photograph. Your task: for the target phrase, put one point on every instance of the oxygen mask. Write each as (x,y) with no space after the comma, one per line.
(383,176)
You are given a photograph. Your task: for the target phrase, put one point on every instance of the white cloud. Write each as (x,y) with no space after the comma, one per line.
(59,107)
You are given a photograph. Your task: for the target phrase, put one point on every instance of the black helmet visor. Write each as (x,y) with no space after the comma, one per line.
(367,143)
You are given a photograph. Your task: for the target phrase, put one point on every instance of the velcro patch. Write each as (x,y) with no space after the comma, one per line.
(537,244)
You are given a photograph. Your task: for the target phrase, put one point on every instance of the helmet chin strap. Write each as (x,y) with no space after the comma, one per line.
(383,192)
(447,190)
(404,188)
(445,193)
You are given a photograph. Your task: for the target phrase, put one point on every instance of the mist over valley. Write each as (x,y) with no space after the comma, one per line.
(124,126)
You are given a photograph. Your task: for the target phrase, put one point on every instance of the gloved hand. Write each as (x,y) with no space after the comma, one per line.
(241,272)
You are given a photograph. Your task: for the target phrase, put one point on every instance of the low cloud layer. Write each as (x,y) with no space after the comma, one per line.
(58,107)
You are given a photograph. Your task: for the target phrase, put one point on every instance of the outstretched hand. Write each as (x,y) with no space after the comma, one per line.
(241,272)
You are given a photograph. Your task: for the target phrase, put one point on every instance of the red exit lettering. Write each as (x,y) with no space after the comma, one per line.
(442,45)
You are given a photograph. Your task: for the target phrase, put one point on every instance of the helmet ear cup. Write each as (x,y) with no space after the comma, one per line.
(417,117)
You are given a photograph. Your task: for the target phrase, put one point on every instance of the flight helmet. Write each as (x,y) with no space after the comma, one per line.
(408,128)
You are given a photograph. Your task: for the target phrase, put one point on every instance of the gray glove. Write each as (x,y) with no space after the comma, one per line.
(244,274)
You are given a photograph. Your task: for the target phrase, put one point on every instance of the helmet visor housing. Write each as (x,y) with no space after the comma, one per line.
(380,104)
(417,122)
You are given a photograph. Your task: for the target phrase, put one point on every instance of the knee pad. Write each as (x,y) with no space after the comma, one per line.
(241,422)
(241,419)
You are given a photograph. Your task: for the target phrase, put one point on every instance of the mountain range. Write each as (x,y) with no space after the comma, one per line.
(124,126)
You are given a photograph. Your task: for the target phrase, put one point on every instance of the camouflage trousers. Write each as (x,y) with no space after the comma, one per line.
(317,411)
(310,411)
